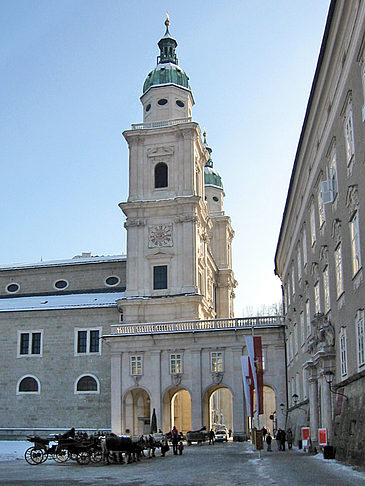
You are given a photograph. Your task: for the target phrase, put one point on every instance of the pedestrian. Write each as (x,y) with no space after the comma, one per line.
(211,437)
(181,448)
(289,438)
(174,439)
(164,446)
(229,433)
(282,440)
(268,442)
(264,432)
(278,439)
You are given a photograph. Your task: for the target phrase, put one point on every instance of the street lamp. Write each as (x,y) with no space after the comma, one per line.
(329,375)
(295,400)
(282,407)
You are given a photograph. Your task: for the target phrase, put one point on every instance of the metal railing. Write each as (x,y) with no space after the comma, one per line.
(160,124)
(196,326)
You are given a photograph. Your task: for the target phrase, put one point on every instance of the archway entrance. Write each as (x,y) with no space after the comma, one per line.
(269,408)
(218,407)
(137,412)
(177,409)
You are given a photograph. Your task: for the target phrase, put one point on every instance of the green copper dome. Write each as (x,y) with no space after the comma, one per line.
(167,70)
(211,176)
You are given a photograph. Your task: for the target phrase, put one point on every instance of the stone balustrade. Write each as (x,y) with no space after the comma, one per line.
(160,124)
(196,326)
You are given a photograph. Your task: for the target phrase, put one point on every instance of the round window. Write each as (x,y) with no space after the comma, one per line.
(61,284)
(162,101)
(113,280)
(215,199)
(180,103)
(12,288)
(148,107)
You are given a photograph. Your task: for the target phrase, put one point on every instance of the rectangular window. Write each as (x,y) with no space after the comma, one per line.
(160,277)
(30,343)
(313,225)
(295,332)
(297,386)
(321,213)
(360,339)
(292,281)
(175,363)
(308,317)
(216,361)
(333,172)
(305,388)
(355,243)
(305,252)
(343,352)
(338,268)
(326,290)
(87,341)
(349,135)
(291,350)
(317,299)
(299,263)
(302,328)
(135,365)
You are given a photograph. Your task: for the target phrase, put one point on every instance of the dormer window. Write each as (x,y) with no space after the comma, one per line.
(161,175)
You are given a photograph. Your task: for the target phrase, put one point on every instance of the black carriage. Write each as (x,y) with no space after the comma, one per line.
(62,448)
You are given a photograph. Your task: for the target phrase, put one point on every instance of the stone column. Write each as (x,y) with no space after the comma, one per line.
(239,407)
(313,407)
(155,387)
(196,390)
(116,392)
(327,408)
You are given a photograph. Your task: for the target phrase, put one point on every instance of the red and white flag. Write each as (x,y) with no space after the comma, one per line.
(254,348)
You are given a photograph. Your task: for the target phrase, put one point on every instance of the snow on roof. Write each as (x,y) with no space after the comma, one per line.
(64,301)
(70,261)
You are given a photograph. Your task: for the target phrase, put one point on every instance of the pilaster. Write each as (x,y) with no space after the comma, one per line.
(116,392)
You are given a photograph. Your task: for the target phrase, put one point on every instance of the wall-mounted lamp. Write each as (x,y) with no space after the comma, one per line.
(329,376)
(295,400)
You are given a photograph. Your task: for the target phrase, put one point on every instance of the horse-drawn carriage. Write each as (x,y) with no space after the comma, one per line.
(198,436)
(62,448)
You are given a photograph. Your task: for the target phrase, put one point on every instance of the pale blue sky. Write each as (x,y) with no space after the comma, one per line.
(71,76)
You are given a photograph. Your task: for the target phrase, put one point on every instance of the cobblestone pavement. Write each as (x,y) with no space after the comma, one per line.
(222,464)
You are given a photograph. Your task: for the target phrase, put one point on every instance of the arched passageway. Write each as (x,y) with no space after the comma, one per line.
(136,412)
(218,407)
(177,409)
(269,408)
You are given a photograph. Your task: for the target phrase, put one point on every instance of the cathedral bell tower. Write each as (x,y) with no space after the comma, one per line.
(170,268)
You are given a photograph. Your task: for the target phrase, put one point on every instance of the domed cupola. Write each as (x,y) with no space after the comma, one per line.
(167,70)
(166,92)
(211,176)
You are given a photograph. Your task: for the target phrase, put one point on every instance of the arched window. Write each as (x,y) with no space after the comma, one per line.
(161,172)
(87,384)
(28,384)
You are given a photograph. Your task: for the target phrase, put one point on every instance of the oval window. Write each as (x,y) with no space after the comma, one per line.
(215,199)
(148,107)
(162,101)
(180,103)
(113,280)
(61,284)
(12,288)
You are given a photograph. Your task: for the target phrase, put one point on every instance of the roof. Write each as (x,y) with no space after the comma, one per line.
(64,301)
(212,178)
(69,261)
(166,73)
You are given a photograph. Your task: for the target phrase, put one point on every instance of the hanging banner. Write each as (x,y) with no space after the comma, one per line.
(254,348)
(247,383)
(322,437)
(305,433)
(260,372)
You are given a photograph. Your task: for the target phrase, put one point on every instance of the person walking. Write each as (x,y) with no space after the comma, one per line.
(282,440)
(278,439)
(211,437)
(181,448)
(289,438)
(174,439)
(268,442)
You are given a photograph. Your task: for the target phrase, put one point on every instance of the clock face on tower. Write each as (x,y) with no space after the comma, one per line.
(160,235)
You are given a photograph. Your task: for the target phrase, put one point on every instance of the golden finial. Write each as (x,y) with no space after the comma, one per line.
(167,21)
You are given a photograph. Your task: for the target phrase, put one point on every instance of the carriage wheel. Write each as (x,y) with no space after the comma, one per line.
(83,458)
(61,456)
(96,456)
(34,456)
